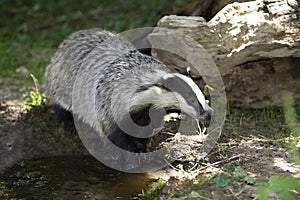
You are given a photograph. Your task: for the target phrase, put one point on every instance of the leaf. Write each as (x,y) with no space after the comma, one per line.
(194,194)
(221,180)
(263,191)
(282,185)
(228,168)
(249,180)
(239,172)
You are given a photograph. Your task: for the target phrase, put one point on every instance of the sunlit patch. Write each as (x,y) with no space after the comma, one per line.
(172,117)
(285,165)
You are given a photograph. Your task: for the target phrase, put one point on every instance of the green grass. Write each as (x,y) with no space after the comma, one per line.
(34,55)
(31,30)
(270,119)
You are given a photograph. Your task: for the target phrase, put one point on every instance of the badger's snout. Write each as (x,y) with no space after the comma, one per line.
(206,117)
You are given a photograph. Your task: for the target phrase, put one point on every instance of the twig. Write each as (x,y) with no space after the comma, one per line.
(35,83)
(221,161)
(175,168)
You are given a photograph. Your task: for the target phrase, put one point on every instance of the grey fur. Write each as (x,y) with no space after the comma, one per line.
(93,68)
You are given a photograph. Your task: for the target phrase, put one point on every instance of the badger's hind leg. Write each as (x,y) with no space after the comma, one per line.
(128,142)
(64,116)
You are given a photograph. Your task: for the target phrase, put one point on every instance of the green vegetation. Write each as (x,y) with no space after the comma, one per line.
(189,189)
(282,185)
(271,118)
(34,98)
(291,118)
(31,30)
(153,191)
(232,173)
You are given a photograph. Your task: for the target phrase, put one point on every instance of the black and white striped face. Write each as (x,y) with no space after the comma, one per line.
(176,92)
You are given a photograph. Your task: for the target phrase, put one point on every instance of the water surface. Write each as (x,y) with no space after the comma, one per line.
(69,178)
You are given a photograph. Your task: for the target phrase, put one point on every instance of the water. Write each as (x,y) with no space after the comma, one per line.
(69,178)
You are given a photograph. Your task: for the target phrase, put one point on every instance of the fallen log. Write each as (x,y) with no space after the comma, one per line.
(256,46)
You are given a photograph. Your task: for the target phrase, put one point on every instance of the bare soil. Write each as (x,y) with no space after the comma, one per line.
(250,139)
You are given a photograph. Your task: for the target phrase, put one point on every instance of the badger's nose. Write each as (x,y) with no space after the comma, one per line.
(206,117)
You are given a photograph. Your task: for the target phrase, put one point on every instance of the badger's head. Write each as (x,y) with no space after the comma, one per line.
(175,92)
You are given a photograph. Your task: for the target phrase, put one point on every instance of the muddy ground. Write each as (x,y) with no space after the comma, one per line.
(251,139)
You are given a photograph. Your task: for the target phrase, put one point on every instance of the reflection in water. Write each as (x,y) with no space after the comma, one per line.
(69,178)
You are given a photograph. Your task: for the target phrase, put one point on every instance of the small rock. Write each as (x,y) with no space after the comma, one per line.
(22,71)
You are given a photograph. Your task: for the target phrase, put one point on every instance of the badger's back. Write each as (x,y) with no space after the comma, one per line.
(90,66)
(76,52)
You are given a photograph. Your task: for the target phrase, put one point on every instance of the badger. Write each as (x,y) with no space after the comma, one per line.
(109,69)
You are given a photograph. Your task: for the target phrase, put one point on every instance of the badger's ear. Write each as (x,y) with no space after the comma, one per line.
(186,71)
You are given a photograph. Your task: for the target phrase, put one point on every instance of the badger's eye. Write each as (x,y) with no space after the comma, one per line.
(193,101)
